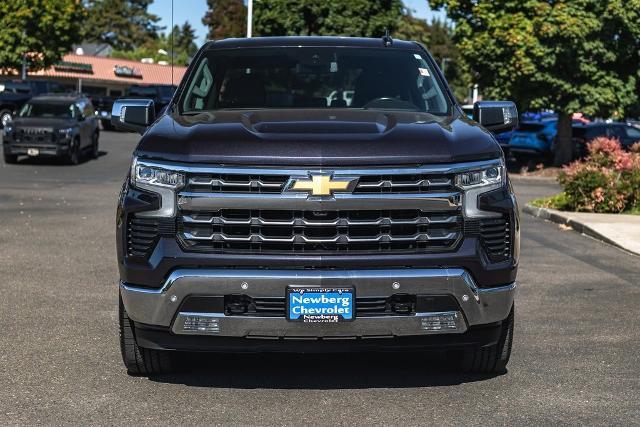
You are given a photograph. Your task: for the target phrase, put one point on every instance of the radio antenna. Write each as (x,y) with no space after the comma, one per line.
(172,43)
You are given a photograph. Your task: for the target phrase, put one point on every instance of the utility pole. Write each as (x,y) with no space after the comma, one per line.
(444,64)
(249,17)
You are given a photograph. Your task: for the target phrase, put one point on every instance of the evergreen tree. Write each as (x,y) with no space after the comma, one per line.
(122,24)
(226,18)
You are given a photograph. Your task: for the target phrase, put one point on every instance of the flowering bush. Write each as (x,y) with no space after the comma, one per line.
(607,180)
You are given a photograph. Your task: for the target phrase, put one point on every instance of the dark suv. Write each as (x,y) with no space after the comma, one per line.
(264,213)
(53,125)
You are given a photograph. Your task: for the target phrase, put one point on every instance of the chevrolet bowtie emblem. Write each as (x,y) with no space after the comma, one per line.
(322,185)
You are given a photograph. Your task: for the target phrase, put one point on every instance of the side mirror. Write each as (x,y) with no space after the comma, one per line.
(496,116)
(132,114)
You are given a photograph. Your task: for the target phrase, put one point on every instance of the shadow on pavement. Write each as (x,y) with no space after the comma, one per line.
(317,371)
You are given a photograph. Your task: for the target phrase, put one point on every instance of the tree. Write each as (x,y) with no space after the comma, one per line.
(568,56)
(122,24)
(41,30)
(184,39)
(366,18)
(226,18)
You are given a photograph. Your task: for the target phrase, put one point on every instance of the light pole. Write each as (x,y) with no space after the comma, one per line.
(249,17)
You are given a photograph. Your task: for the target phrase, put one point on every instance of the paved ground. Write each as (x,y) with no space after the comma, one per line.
(575,359)
(619,230)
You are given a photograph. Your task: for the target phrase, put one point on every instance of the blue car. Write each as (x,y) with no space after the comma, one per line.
(533,138)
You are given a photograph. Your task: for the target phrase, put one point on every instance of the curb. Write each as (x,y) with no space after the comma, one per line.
(559,218)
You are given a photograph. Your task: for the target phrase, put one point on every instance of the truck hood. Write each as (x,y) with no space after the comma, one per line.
(34,122)
(338,137)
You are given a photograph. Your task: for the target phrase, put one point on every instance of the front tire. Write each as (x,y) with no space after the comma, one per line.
(491,359)
(139,360)
(73,158)
(95,149)
(10,159)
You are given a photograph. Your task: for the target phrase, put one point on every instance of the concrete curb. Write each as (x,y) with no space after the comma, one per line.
(560,218)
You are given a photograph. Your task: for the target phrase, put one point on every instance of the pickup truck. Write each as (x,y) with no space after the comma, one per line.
(260,216)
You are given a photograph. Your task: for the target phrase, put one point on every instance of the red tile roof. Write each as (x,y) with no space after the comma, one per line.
(103,70)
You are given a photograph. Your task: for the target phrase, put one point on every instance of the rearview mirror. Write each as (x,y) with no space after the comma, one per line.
(496,116)
(132,114)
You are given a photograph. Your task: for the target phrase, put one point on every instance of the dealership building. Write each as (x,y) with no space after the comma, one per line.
(99,75)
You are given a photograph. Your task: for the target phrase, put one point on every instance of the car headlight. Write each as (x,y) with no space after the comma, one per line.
(481,178)
(65,132)
(145,174)
(161,180)
(8,129)
(477,182)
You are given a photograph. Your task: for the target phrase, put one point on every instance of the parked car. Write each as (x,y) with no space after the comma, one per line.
(256,221)
(52,125)
(160,94)
(14,94)
(583,133)
(532,140)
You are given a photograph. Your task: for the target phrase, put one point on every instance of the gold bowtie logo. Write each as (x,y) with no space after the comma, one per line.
(322,185)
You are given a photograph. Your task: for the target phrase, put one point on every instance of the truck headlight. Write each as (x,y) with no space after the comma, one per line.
(481,178)
(66,132)
(477,182)
(156,176)
(161,180)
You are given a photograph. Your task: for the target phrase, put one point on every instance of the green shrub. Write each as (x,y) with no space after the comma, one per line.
(607,180)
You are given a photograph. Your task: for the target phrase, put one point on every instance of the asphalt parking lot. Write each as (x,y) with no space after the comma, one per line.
(575,357)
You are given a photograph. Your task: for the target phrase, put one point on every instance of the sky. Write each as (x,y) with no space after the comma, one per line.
(194,10)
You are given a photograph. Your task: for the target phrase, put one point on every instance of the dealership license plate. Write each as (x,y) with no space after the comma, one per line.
(33,151)
(320,305)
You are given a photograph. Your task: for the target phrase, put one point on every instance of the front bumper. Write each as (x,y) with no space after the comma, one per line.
(44,149)
(161,307)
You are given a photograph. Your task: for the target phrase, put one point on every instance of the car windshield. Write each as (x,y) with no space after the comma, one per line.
(312,77)
(48,110)
(148,92)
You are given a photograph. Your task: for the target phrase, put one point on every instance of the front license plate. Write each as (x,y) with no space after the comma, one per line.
(320,305)
(33,151)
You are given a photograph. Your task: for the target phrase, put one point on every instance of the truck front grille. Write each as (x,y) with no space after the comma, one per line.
(275,184)
(317,231)
(35,136)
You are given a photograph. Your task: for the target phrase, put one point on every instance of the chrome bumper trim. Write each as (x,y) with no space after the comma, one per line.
(160,306)
(276,327)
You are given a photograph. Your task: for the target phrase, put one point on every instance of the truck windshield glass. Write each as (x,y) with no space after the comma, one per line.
(47,110)
(311,77)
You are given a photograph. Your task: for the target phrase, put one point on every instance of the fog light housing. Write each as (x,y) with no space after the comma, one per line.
(446,321)
(200,323)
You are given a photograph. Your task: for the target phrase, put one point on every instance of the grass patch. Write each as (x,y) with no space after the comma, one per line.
(561,203)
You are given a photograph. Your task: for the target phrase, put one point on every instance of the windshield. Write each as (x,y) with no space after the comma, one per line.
(312,77)
(145,91)
(47,110)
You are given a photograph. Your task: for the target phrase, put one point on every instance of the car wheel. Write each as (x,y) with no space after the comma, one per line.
(73,157)
(95,148)
(139,360)
(493,358)
(5,117)
(11,159)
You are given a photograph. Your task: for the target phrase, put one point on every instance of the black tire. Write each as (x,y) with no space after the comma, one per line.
(73,157)
(139,360)
(5,116)
(491,359)
(10,159)
(95,148)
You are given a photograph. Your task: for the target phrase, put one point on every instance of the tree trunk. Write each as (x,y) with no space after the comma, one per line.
(564,142)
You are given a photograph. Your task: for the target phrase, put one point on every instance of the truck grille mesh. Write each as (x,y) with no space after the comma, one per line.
(275,184)
(142,235)
(495,234)
(317,231)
